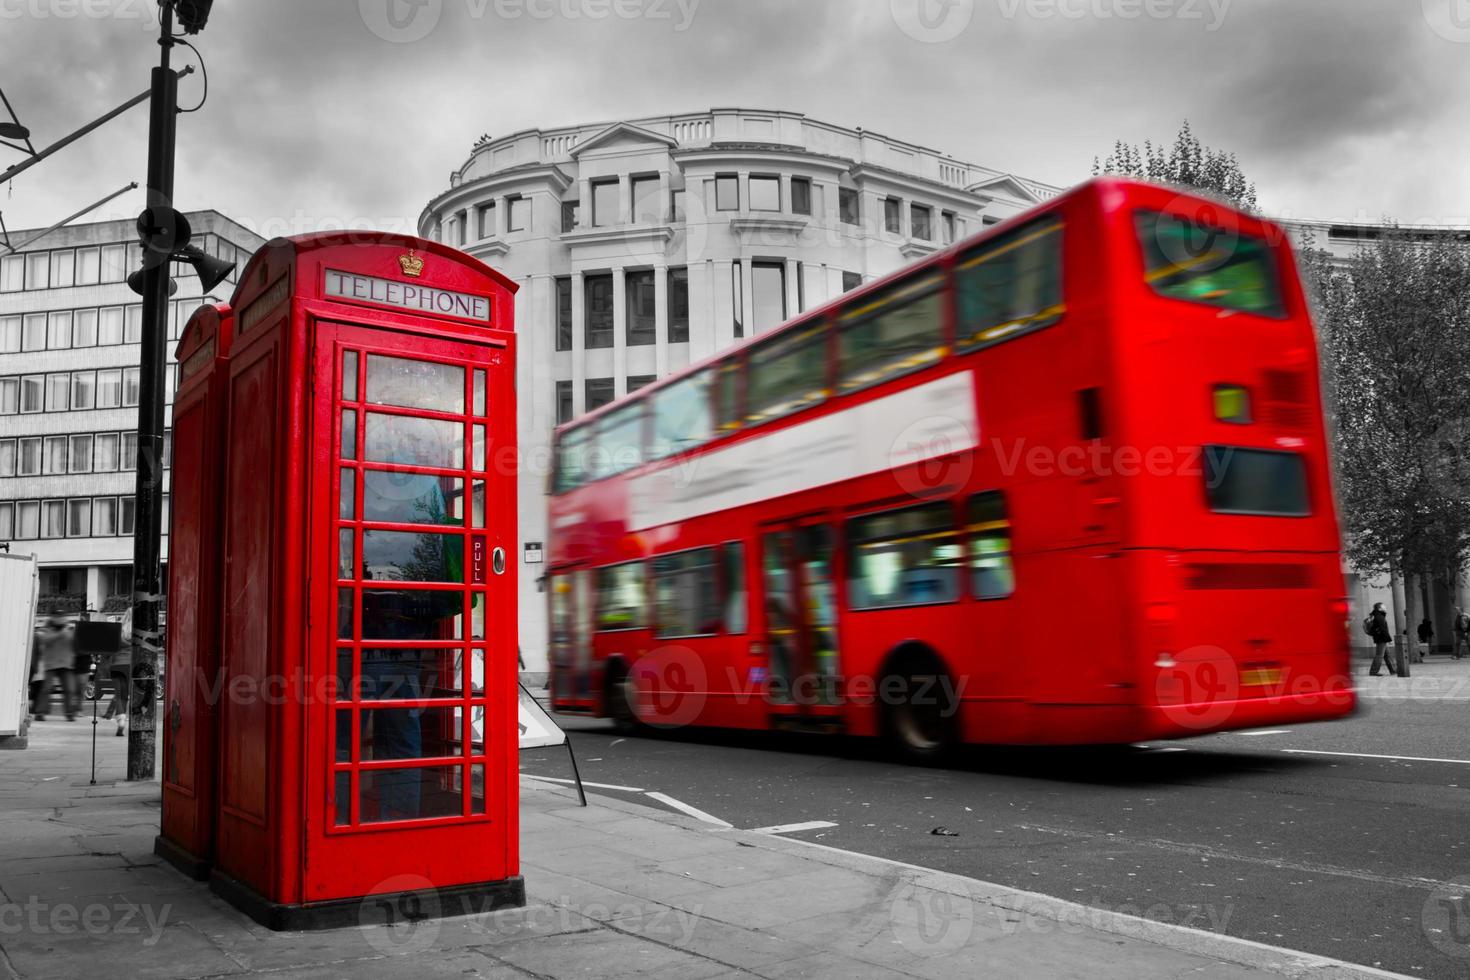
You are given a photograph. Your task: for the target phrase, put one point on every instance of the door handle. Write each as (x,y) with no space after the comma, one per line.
(497,561)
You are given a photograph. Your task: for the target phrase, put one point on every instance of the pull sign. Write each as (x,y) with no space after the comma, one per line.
(477,560)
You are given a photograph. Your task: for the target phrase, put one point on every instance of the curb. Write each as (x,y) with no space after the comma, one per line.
(1067,914)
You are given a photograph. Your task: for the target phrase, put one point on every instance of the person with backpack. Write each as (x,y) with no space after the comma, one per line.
(1376,626)
(1462,632)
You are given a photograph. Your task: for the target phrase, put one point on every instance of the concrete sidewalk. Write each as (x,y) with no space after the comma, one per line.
(615,890)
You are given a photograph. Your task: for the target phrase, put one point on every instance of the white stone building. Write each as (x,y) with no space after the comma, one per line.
(643,245)
(69,347)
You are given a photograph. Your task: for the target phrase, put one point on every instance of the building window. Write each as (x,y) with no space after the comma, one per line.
(9,396)
(765,193)
(563,312)
(921,223)
(83,390)
(129,460)
(737,297)
(563,402)
(168,449)
(84,334)
(486,216)
(114,263)
(639,293)
(79,518)
(109,326)
(126,513)
(28,519)
(32,394)
(598,311)
(892,215)
(599,392)
(636,381)
(33,334)
(133,324)
(53,518)
(12,274)
(646,199)
(800,287)
(519,217)
(604,203)
(768,295)
(801,195)
(568,216)
(7,520)
(109,388)
(58,330)
(38,270)
(727,192)
(105,449)
(7,457)
(89,266)
(104,516)
(130,387)
(54,455)
(679,306)
(63,267)
(847,206)
(58,392)
(9,335)
(81,454)
(851,280)
(30,456)
(676,204)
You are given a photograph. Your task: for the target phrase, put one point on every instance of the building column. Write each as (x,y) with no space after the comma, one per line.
(747,296)
(721,300)
(579,345)
(701,311)
(793,292)
(620,325)
(660,320)
(625,199)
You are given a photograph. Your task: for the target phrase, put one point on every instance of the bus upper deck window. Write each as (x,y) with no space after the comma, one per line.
(1216,266)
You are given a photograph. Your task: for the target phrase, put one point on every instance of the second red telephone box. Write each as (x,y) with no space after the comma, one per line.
(191,705)
(368,729)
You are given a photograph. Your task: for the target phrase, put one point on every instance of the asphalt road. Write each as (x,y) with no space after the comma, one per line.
(1358,858)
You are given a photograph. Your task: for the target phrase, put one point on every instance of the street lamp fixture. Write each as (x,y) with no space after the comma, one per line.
(14,131)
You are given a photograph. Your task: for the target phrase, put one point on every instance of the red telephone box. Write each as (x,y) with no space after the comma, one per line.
(368,722)
(192,679)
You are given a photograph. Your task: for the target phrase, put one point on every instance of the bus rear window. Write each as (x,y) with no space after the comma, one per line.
(1203,264)
(1255,481)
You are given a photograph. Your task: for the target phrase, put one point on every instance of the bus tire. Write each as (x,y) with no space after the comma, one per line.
(920,719)
(618,698)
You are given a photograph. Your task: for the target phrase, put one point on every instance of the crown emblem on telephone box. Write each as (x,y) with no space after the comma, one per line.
(410,263)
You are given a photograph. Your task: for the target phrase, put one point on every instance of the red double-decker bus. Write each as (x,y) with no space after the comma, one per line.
(1064,482)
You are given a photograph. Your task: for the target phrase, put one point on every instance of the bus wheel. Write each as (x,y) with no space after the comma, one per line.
(620,696)
(920,717)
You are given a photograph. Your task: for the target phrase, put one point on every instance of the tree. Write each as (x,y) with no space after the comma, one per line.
(1189,163)
(1394,321)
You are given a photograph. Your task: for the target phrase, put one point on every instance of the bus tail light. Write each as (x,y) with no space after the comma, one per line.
(1161,617)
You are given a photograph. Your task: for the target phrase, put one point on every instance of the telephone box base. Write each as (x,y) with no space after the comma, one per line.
(370,910)
(190,864)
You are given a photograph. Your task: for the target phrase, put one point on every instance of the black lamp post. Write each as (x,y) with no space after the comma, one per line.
(165,235)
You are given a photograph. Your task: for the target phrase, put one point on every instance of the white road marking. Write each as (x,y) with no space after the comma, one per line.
(573,782)
(1370,755)
(792,828)
(683,807)
(1262,731)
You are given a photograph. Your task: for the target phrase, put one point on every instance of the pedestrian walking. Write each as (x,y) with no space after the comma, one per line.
(1462,632)
(58,656)
(1376,626)
(37,675)
(1426,638)
(120,670)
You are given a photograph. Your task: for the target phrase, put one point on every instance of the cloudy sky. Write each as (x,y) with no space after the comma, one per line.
(332,113)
